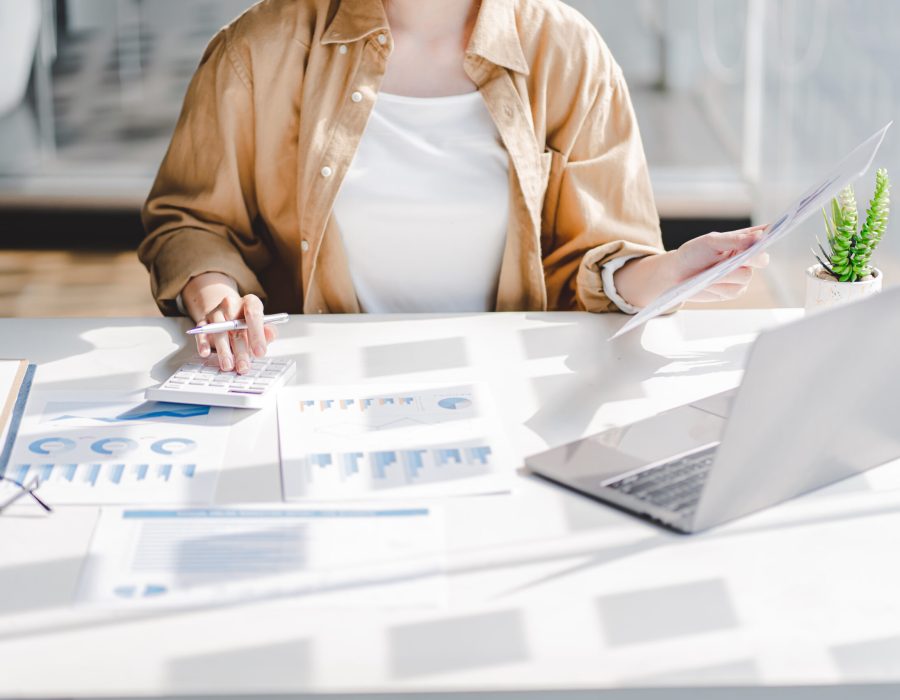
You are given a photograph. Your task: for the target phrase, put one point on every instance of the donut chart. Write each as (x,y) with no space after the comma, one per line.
(173,446)
(455,403)
(51,446)
(113,446)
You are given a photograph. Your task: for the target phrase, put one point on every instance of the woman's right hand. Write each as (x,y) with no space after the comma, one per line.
(213,297)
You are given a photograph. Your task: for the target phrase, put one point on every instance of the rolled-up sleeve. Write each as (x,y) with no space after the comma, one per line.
(604,202)
(199,215)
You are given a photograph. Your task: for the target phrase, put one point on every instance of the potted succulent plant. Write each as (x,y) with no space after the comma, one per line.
(844,271)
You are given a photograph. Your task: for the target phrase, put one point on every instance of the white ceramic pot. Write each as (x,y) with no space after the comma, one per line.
(20,22)
(823,291)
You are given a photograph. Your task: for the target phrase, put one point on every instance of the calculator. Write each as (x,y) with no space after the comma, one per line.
(202,382)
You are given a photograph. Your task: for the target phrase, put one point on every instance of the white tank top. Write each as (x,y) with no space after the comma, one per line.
(424,208)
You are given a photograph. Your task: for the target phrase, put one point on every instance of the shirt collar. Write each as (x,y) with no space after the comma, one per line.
(354,20)
(494,38)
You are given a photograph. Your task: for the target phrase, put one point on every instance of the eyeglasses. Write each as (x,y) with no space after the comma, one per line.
(21,491)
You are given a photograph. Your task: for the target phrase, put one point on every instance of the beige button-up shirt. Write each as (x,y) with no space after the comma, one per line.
(274,115)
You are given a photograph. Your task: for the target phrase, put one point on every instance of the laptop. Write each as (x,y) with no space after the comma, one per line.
(819,402)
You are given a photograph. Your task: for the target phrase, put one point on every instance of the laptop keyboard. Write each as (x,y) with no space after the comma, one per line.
(674,486)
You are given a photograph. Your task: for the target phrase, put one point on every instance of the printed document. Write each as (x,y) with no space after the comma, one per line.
(852,167)
(390,556)
(372,441)
(113,448)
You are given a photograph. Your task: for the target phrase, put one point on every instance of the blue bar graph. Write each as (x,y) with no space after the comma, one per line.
(306,404)
(443,456)
(380,461)
(69,471)
(165,471)
(21,472)
(320,460)
(351,462)
(93,474)
(142,471)
(347,403)
(414,462)
(478,454)
(116,473)
(325,404)
(407,401)
(46,471)
(367,403)
(189,470)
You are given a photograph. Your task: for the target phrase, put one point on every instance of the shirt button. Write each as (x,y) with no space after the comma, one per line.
(343,48)
(382,39)
(304,246)
(356,96)
(327,171)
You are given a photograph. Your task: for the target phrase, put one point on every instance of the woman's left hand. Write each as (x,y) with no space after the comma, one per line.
(703,252)
(642,280)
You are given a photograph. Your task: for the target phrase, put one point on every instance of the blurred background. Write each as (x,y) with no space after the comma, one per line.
(742,105)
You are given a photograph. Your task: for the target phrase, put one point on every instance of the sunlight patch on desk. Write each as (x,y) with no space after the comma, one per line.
(281,667)
(460,644)
(665,613)
(875,660)
(420,356)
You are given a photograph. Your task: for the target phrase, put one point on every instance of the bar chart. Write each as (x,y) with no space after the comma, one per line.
(410,466)
(362,441)
(103,450)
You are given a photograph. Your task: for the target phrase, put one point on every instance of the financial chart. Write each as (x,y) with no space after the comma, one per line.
(388,555)
(111,448)
(369,441)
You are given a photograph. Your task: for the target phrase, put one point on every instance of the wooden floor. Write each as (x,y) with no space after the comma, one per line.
(75,283)
(69,283)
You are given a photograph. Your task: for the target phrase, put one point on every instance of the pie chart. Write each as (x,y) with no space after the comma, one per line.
(113,446)
(173,446)
(455,403)
(51,445)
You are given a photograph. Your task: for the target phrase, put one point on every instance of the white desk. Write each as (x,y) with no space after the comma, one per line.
(547,590)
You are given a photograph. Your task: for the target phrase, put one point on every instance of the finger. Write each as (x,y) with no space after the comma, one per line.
(203,348)
(706,296)
(221,342)
(733,241)
(271,333)
(742,275)
(725,292)
(241,348)
(253,315)
(720,292)
(758,261)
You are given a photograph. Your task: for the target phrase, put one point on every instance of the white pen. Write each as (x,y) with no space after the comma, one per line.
(237,325)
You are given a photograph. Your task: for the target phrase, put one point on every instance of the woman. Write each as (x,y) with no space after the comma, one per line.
(400,155)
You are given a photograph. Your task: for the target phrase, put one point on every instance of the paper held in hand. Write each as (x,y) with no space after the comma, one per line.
(852,167)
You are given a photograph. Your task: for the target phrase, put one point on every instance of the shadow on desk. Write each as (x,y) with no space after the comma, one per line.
(606,375)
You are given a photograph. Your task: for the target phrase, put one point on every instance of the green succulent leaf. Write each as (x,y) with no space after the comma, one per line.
(850,246)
